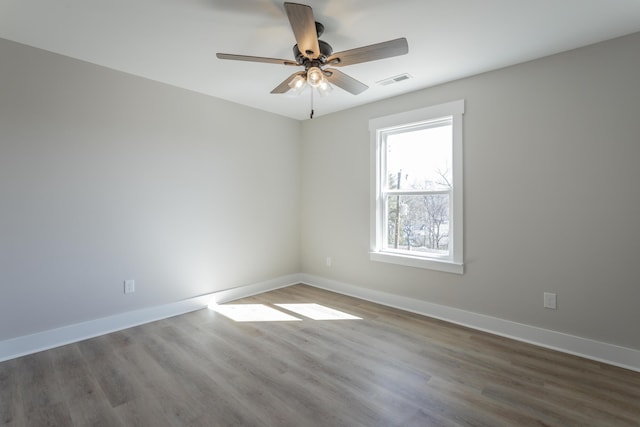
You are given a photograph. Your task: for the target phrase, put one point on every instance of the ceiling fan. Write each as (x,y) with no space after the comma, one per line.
(316,56)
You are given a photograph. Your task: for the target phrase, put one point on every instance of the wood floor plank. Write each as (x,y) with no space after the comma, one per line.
(42,399)
(174,405)
(203,394)
(110,370)
(11,410)
(248,386)
(308,364)
(389,368)
(252,396)
(278,375)
(86,402)
(144,410)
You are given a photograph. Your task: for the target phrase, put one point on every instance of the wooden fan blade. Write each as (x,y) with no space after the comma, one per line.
(255,59)
(370,53)
(345,82)
(303,25)
(284,86)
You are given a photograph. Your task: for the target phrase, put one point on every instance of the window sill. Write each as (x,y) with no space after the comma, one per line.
(418,262)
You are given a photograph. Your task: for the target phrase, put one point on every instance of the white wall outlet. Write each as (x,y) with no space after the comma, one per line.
(129,286)
(550,300)
(328,261)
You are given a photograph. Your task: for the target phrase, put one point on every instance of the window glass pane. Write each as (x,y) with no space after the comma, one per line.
(420,158)
(418,223)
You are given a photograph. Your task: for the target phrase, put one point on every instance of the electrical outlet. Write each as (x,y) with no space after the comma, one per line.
(550,300)
(129,286)
(328,261)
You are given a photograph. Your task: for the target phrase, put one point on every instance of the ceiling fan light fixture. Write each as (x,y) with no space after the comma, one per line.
(315,76)
(324,88)
(297,83)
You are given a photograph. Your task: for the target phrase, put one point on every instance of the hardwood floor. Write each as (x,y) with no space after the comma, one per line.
(389,368)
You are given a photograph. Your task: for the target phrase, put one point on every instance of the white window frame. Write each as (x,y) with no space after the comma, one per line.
(378,127)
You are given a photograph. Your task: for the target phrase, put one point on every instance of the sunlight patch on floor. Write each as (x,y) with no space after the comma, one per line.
(253,313)
(265,313)
(318,312)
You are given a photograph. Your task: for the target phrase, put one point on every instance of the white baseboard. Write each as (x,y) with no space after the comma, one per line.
(595,350)
(28,344)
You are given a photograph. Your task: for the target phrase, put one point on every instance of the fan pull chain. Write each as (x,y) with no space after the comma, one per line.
(311,115)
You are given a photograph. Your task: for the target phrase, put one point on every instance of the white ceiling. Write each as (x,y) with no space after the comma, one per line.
(175,41)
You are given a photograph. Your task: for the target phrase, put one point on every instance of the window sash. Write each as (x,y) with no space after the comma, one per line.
(383,231)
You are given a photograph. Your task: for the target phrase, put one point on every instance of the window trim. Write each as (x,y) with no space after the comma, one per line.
(453,263)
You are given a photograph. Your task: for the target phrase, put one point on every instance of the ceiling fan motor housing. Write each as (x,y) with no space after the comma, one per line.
(325,51)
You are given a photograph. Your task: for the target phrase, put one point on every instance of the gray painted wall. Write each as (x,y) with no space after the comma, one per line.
(552,194)
(106,177)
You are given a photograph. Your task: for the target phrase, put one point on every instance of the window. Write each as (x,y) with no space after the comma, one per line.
(416,190)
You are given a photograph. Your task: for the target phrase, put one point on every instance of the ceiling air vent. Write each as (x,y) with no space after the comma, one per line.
(395,79)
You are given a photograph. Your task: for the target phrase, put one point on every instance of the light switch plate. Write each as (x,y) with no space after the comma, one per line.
(550,300)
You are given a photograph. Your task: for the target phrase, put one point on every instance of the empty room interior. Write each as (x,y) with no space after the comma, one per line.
(188,239)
